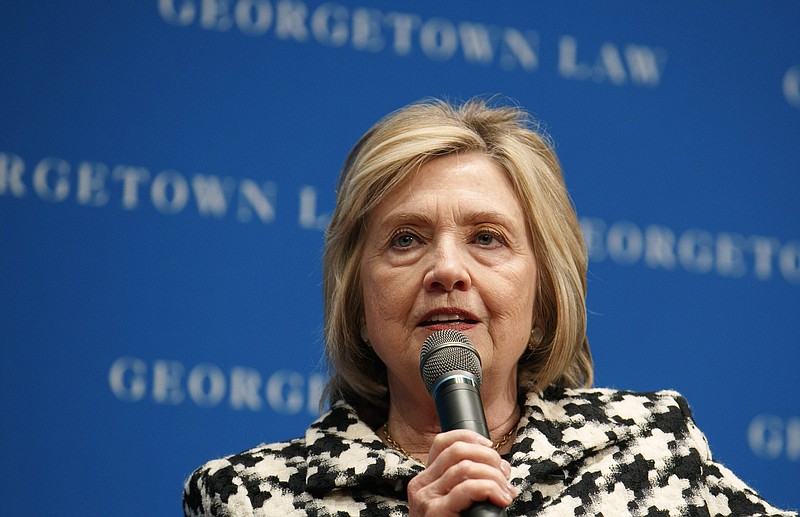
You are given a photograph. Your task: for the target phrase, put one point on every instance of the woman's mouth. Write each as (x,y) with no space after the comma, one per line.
(454,320)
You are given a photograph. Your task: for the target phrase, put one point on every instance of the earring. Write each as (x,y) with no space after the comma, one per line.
(536,338)
(364,336)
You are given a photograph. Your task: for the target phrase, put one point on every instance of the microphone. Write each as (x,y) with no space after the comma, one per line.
(451,369)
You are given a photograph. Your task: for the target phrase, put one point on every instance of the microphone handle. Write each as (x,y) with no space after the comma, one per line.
(458,403)
(484,509)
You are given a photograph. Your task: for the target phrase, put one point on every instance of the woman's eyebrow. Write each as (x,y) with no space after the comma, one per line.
(424,220)
(489,216)
(400,218)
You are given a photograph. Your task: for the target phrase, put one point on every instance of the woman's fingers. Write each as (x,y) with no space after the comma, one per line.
(483,481)
(432,501)
(445,440)
(463,468)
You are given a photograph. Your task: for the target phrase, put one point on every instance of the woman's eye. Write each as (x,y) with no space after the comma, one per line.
(487,238)
(403,240)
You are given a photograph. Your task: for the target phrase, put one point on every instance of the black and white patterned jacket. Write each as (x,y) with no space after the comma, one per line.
(577,452)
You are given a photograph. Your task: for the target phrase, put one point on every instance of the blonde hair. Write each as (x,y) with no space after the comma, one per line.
(394,148)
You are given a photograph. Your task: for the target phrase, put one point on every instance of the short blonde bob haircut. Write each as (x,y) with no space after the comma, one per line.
(398,145)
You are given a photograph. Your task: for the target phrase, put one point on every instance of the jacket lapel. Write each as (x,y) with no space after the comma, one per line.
(343,451)
(561,426)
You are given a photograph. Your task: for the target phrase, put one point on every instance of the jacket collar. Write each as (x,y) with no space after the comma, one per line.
(343,451)
(557,428)
(561,426)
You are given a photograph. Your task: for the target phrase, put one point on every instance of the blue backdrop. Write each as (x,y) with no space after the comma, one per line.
(167,167)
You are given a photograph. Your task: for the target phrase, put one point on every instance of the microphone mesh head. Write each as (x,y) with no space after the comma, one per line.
(447,351)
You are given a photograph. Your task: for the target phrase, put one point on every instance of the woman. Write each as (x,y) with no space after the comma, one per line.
(457,217)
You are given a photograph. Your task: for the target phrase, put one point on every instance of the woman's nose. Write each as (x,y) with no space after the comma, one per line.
(447,269)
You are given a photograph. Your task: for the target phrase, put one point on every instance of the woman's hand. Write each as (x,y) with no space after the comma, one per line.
(462,469)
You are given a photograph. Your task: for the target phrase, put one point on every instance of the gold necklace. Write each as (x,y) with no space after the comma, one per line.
(385,429)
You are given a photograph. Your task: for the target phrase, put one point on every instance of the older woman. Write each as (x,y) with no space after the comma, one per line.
(457,217)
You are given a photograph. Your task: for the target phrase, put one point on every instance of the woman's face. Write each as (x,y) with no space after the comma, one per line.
(449,248)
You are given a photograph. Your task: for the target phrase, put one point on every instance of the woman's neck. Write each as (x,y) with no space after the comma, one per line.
(413,423)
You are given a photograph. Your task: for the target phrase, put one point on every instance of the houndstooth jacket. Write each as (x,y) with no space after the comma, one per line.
(588,452)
